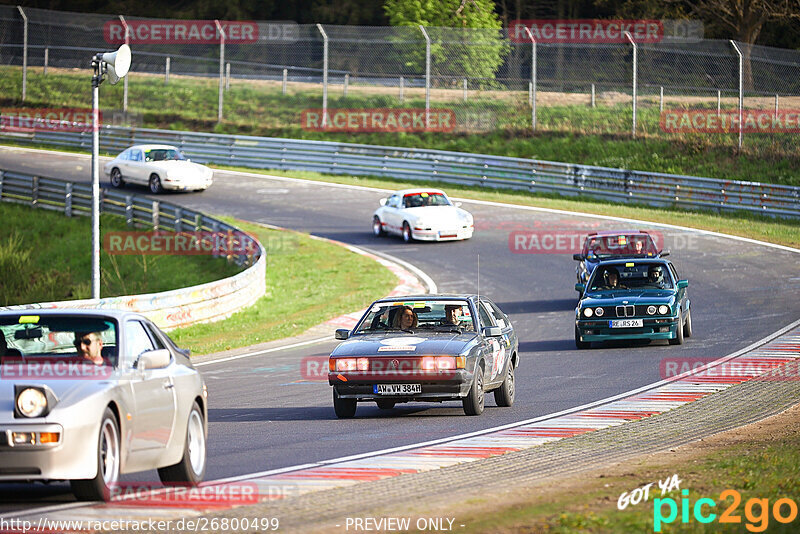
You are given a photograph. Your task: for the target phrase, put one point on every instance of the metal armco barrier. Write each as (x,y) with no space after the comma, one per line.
(618,185)
(170,309)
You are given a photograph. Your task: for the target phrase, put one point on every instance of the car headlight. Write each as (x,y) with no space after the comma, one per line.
(663,309)
(599,311)
(587,312)
(31,402)
(651,310)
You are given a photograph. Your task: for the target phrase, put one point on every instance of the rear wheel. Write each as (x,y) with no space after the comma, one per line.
(687,326)
(473,402)
(578,343)
(504,395)
(116,178)
(377,227)
(385,404)
(407,236)
(155,184)
(678,340)
(108,462)
(344,408)
(192,467)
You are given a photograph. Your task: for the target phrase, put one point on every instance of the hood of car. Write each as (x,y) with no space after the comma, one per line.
(420,343)
(434,213)
(178,166)
(629,296)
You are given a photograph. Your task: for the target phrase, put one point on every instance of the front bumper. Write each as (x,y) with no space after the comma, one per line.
(435,386)
(450,234)
(661,328)
(73,457)
(182,184)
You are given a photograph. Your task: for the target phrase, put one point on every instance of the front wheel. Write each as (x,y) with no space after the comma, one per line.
(678,340)
(377,227)
(504,395)
(116,178)
(473,402)
(687,326)
(192,467)
(344,408)
(155,184)
(108,463)
(578,343)
(407,235)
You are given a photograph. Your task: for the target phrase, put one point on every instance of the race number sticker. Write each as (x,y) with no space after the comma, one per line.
(498,357)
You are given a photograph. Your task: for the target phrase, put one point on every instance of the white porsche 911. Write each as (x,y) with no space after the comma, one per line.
(158,167)
(425,214)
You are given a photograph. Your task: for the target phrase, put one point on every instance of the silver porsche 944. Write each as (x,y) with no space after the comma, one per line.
(88,395)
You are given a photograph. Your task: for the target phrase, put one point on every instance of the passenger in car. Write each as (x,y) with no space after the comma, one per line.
(405,319)
(4,350)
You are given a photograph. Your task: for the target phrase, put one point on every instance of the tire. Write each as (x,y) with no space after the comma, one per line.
(687,326)
(581,344)
(192,467)
(504,395)
(474,401)
(678,340)
(108,463)
(344,408)
(155,184)
(408,237)
(377,227)
(385,404)
(116,178)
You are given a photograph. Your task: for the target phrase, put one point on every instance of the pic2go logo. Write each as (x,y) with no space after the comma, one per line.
(756,511)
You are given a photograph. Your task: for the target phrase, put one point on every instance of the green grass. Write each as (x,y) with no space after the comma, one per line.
(780,231)
(45,256)
(760,467)
(573,133)
(308,282)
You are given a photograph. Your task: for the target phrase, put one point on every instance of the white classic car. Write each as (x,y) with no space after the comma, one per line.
(158,167)
(90,395)
(423,213)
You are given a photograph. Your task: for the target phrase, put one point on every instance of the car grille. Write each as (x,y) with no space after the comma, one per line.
(625,311)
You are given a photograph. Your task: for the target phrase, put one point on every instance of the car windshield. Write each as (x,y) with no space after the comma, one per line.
(416,200)
(416,315)
(57,337)
(620,245)
(163,154)
(630,275)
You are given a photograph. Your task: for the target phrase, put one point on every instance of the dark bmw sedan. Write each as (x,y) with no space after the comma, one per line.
(430,348)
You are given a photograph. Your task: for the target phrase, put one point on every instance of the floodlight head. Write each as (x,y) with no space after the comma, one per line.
(118,63)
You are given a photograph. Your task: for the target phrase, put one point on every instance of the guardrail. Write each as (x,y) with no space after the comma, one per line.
(169,309)
(656,189)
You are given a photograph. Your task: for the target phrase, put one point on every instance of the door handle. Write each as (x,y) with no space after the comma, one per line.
(168,385)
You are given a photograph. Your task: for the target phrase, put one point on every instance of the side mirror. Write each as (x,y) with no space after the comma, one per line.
(683,284)
(663,253)
(383,201)
(492,331)
(580,287)
(342,333)
(153,359)
(577,257)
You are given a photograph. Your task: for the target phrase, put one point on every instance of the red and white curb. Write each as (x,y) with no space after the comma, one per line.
(754,362)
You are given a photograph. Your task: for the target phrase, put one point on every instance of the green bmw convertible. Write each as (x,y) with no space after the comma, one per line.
(633,299)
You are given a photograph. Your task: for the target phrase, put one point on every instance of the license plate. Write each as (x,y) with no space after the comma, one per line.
(397,389)
(626,323)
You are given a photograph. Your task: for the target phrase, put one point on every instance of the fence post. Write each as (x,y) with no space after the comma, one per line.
(661,99)
(285,79)
(24,53)
(129,210)
(719,102)
(741,93)
(593,101)
(46,60)
(776,105)
(177,224)
(635,50)
(402,98)
(2,173)
(166,71)
(34,191)
(427,76)
(125,79)
(156,215)
(465,89)
(68,199)
(228,76)
(533,79)
(324,75)
(346,81)
(221,68)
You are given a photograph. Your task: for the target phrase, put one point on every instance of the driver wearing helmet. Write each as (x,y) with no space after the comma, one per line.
(611,279)
(655,276)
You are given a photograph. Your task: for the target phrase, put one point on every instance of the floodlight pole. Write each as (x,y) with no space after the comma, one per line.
(427,76)
(97,79)
(221,67)
(741,92)
(125,81)
(24,53)
(635,49)
(533,78)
